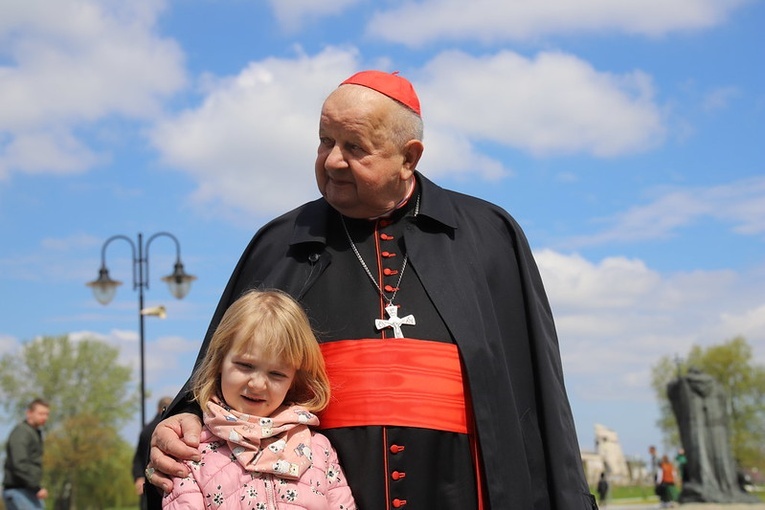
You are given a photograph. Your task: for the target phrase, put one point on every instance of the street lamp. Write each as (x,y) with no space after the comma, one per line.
(104,288)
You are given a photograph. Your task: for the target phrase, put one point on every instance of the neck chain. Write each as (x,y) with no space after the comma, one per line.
(394,321)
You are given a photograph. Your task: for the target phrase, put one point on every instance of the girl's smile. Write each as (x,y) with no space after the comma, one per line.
(255,383)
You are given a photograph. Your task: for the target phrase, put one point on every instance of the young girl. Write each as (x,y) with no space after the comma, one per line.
(258,387)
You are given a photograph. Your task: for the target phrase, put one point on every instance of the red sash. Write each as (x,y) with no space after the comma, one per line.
(395,382)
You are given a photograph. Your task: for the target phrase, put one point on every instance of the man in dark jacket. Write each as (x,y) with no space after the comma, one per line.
(22,485)
(446,376)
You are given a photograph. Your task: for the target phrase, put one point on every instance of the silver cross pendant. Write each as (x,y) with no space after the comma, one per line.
(394,321)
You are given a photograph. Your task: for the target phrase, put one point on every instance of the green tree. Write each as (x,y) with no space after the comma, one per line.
(743,381)
(665,370)
(103,461)
(90,397)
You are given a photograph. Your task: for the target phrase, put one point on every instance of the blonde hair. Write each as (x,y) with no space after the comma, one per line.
(280,326)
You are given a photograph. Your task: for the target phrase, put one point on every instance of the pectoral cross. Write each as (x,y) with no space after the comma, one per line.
(394,321)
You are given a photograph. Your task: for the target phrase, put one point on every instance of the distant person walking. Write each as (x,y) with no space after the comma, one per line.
(682,465)
(654,463)
(602,489)
(666,482)
(141,457)
(22,485)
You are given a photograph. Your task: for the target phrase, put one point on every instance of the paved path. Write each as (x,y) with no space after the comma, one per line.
(687,506)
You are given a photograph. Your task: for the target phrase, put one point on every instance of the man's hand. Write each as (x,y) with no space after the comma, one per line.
(42,493)
(139,485)
(175,439)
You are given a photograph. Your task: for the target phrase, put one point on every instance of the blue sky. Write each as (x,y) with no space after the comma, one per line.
(625,137)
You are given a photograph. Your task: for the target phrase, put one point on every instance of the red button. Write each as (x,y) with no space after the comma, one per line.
(398,475)
(388,271)
(398,503)
(390,288)
(394,449)
(386,237)
(387,254)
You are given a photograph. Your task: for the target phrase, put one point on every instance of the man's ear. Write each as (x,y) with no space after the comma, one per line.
(412,154)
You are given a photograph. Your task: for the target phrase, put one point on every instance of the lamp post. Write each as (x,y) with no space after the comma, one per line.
(104,288)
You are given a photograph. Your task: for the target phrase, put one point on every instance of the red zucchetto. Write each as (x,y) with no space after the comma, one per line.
(390,84)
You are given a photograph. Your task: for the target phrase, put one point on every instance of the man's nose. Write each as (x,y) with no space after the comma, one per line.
(335,159)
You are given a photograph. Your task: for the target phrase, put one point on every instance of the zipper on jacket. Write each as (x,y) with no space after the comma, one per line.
(268,482)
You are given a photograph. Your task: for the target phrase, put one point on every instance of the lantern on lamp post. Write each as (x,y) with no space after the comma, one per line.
(104,288)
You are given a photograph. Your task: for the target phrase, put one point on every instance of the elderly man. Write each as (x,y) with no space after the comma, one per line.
(446,376)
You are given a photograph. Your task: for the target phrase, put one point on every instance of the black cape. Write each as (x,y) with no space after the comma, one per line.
(495,307)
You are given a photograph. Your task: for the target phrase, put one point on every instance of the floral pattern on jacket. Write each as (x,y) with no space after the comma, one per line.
(219,481)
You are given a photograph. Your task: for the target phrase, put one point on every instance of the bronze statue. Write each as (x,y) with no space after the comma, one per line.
(699,405)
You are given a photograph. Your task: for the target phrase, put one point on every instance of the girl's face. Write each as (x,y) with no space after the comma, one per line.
(254,383)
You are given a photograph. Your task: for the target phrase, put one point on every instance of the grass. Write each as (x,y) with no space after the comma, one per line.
(630,492)
(644,493)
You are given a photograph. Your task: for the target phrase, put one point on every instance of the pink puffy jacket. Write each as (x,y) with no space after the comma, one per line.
(219,482)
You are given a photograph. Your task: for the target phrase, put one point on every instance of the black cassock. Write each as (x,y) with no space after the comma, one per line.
(478,303)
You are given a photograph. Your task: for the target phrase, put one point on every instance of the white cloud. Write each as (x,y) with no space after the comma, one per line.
(8,344)
(256,131)
(739,203)
(617,317)
(251,144)
(719,98)
(450,152)
(46,151)
(749,323)
(105,60)
(78,241)
(554,103)
(491,21)
(291,14)
(578,282)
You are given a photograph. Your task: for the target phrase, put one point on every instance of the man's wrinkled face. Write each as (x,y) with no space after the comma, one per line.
(359,170)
